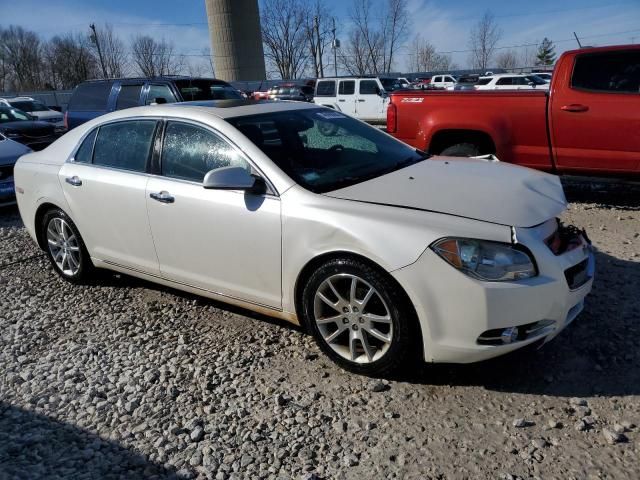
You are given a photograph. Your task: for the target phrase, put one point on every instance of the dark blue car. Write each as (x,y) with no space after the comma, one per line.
(97,97)
(10,151)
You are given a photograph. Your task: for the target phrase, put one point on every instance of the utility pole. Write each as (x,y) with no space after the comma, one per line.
(319,47)
(96,40)
(335,48)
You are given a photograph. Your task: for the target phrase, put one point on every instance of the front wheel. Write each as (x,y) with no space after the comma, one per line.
(360,318)
(65,248)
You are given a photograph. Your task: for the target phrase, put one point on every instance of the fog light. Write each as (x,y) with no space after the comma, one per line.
(509,335)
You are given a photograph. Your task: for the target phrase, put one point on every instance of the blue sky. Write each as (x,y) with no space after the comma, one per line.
(445,24)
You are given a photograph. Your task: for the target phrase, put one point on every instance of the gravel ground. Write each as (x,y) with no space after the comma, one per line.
(125,379)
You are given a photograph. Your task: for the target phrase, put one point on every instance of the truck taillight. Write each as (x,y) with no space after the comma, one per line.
(392,118)
(66,120)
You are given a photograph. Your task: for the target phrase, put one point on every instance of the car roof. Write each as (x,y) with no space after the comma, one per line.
(161,78)
(219,108)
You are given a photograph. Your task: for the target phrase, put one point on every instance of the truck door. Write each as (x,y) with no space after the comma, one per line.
(347,96)
(595,112)
(371,105)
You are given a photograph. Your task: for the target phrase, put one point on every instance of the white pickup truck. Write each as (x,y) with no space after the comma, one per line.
(362,98)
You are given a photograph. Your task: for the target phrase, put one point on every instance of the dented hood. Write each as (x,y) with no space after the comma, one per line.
(482,190)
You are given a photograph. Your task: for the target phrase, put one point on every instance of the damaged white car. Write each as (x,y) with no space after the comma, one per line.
(385,255)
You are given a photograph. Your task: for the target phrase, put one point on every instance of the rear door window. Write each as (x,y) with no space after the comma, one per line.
(369,87)
(613,72)
(125,145)
(326,88)
(347,87)
(90,96)
(505,81)
(129,96)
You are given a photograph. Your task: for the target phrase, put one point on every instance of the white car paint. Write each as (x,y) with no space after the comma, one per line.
(43,113)
(445,82)
(508,81)
(215,244)
(353,97)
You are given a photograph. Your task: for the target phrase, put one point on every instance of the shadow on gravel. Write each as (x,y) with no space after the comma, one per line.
(597,355)
(34,446)
(606,194)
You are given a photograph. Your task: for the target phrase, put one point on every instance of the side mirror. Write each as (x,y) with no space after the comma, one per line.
(234,178)
(531,84)
(159,100)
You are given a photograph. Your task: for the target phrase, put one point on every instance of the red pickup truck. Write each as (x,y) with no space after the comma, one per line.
(587,123)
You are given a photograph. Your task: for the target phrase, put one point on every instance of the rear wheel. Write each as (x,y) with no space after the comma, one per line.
(461,150)
(65,248)
(359,317)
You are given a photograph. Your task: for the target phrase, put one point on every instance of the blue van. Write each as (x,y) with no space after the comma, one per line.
(93,98)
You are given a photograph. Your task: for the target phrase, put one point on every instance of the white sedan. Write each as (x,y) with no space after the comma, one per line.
(305,214)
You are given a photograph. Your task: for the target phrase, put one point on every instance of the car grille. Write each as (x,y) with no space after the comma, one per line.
(577,275)
(6,171)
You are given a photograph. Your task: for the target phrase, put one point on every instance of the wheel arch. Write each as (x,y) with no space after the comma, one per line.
(315,262)
(443,139)
(39,215)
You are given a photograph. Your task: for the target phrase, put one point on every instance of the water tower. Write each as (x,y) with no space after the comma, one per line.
(236,39)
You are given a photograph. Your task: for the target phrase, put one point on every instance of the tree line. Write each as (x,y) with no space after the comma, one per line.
(299,38)
(28,62)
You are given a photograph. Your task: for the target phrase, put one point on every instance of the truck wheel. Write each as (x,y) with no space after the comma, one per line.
(461,150)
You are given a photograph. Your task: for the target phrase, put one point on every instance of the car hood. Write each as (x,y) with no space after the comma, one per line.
(10,151)
(478,189)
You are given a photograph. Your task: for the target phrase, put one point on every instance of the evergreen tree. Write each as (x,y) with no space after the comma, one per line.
(546,53)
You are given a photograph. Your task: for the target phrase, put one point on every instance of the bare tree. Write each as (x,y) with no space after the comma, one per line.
(318,26)
(155,58)
(69,61)
(112,54)
(507,60)
(370,40)
(424,58)
(483,39)
(22,56)
(285,37)
(528,57)
(394,30)
(354,57)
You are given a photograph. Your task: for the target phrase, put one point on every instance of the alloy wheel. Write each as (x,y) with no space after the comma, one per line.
(63,246)
(353,318)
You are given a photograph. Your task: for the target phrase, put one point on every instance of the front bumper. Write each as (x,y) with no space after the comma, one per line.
(455,310)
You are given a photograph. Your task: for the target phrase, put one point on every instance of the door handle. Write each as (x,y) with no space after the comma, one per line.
(75,181)
(163,197)
(341,99)
(574,107)
(361,100)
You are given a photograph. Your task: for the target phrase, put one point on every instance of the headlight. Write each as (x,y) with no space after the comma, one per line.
(485,260)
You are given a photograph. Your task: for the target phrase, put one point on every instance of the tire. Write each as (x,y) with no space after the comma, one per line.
(461,150)
(63,244)
(341,338)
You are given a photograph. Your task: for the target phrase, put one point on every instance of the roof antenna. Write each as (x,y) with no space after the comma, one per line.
(577,39)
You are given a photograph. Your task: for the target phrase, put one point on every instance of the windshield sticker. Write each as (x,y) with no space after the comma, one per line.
(330,115)
(412,99)
(310,176)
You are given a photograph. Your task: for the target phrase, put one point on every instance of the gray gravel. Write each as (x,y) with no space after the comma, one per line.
(125,379)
